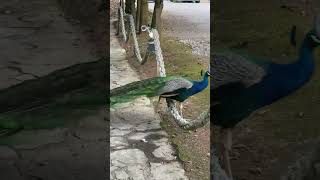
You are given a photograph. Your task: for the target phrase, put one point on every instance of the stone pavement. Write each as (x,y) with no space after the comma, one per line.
(71,153)
(139,148)
(36,39)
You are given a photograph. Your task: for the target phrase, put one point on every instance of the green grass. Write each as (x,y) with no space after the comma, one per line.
(180,61)
(183,154)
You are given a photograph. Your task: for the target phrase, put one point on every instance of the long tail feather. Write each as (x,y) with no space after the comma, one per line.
(148,87)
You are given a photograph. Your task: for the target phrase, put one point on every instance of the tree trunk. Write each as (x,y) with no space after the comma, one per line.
(144,13)
(138,16)
(128,6)
(156,18)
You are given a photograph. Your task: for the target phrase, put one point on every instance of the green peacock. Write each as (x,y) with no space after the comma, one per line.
(172,87)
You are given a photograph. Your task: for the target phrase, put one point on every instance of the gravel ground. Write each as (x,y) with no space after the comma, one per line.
(190,23)
(199,47)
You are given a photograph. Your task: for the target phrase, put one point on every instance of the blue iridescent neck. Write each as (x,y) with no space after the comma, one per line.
(306,58)
(200,85)
(301,70)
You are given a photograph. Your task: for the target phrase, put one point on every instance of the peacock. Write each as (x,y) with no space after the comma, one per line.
(171,87)
(241,85)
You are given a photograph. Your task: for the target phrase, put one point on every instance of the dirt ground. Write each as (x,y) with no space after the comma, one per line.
(277,140)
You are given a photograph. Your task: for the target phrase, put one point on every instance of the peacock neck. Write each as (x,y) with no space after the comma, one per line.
(200,85)
(299,72)
(306,59)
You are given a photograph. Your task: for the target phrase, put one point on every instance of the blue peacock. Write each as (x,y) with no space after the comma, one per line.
(241,85)
(171,87)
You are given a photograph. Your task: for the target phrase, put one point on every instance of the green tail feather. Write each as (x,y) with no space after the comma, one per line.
(148,87)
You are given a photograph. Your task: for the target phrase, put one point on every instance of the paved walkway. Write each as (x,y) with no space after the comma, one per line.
(36,39)
(139,148)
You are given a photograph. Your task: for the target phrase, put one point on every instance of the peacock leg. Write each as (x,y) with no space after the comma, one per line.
(181,108)
(227,143)
(157,106)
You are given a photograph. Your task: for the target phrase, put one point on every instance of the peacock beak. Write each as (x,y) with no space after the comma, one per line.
(208,73)
(315,39)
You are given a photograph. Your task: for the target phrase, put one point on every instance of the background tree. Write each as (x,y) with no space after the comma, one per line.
(127,6)
(156,18)
(144,15)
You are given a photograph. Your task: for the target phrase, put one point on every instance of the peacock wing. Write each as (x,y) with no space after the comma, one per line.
(234,69)
(173,85)
(147,87)
(232,74)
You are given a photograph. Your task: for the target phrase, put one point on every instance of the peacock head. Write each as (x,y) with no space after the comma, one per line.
(206,74)
(315,34)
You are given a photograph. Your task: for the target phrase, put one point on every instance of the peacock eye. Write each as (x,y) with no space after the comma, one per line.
(315,39)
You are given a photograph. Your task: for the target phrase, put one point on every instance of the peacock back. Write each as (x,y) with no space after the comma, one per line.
(233,76)
(227,68)
(148,87)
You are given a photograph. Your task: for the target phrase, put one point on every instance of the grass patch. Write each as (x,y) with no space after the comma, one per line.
(183,154)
